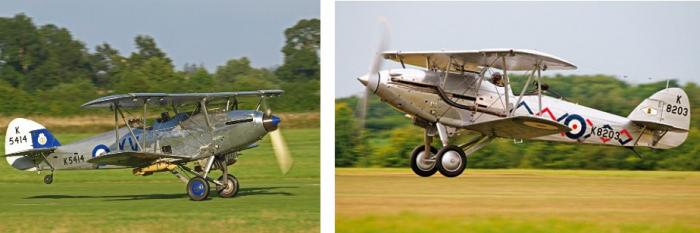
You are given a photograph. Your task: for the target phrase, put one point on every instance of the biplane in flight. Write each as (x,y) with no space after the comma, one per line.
(207,128)
(451,92)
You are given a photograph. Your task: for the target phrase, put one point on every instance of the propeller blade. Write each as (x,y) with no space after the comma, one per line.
(284,158)
(372,79)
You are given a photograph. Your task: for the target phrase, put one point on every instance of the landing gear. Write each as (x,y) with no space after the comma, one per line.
(48,179)
(231,188)
(423,164)
(198,188)
(451,161)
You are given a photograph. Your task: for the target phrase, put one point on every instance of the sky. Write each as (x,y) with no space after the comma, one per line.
(646,42)
(207,32)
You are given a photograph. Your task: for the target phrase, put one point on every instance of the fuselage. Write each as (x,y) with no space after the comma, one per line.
(183,135)
(461,99)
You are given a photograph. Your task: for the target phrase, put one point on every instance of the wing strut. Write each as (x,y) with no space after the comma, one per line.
(131,131)
(116,124)
(522,93)
(203,107)
(507,85)
(539,88)
(143,121)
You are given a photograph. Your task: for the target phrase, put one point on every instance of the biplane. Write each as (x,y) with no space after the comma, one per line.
(449,93)
(208,129)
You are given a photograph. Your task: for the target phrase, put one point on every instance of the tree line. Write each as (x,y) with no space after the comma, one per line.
(388,137)
(45,71)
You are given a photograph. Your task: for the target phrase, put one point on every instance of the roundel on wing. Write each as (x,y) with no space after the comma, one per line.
(100,150)
(577,125)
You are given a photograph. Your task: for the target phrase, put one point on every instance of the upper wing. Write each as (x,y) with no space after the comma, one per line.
(474,60)
(165,99)
(520,127)
(132,158)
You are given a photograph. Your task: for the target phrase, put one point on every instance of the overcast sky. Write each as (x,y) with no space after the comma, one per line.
(639,40)
(203,31)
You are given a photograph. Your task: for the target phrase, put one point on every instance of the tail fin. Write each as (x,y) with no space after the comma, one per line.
(24,136)
(666,111)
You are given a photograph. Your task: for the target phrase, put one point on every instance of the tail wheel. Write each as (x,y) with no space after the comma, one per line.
(197,189)
(451,161)
(231,186)
(422,164)
(48,179)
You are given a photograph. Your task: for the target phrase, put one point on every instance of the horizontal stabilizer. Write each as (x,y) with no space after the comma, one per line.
(131,158)
(519,127)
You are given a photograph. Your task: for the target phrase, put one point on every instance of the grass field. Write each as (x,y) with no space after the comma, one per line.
(395,200)
(116,201)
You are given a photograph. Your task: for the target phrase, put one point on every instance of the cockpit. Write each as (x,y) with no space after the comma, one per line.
(165,121)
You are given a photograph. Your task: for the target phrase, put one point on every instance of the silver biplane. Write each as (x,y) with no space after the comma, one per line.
(450,93)
(212,135)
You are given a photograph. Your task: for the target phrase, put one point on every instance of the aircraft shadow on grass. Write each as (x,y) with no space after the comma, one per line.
(242,193)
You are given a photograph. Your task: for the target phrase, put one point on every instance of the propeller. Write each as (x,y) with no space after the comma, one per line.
(279,146)
(284,158)
(371,79)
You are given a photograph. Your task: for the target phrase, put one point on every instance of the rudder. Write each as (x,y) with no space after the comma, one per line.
(23,136)
(665,111)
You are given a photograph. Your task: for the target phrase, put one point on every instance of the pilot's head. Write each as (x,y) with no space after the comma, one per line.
(497,79)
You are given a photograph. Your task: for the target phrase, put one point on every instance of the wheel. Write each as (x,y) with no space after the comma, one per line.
(419,165)
(197,189)
(451,161)
(231,188)
(48,179)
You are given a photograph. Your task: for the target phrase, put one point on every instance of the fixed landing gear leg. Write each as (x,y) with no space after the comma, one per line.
(230,186)
(48,179)
(423,157)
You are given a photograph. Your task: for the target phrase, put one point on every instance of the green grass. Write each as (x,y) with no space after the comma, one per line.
(395,200)
(116,201)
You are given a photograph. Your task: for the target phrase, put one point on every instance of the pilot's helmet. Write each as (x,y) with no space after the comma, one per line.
(496,77)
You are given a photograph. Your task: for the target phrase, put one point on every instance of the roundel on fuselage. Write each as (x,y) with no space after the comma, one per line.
(100,150)
(577,125)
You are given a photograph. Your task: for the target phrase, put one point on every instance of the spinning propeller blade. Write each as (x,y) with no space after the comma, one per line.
(284,158)
(371,79)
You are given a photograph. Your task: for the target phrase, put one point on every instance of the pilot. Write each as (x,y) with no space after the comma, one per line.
(497,80)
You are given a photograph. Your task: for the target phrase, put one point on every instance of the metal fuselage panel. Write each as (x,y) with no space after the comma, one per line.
(416,93)
(192,137)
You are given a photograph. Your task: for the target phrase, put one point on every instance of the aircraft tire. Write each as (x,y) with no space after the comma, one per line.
(198,189)
(48,179)
(232,188)
(422,169)
(451,161)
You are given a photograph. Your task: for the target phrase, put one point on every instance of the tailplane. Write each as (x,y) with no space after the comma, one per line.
(666,115)
(24,139)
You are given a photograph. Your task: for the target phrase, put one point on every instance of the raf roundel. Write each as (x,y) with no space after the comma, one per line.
(100,150)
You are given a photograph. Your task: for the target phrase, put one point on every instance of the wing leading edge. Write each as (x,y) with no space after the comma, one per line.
(519,127)
(474,60)
(165,99)
(132,158)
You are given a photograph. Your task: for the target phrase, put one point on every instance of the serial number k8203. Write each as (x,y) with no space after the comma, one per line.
(678,110)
